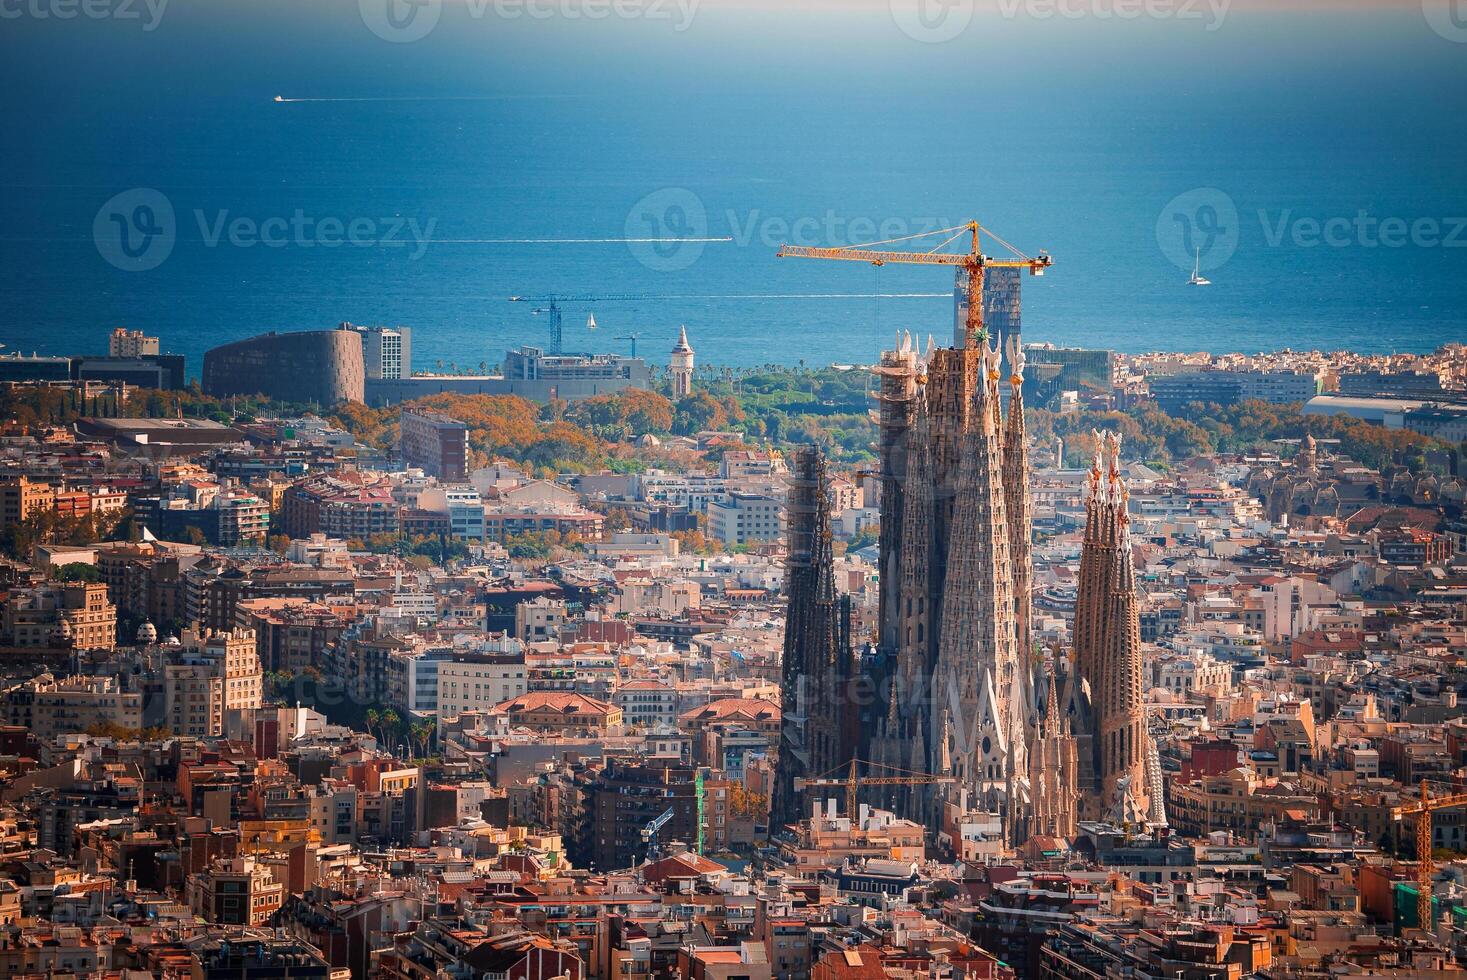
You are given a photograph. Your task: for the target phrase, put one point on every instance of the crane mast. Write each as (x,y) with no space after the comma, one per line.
(1423,809)
(553,305)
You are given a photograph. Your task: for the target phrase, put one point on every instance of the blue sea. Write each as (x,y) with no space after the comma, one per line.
(1310,160)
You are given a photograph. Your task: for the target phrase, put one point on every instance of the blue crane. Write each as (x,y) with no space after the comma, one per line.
(649,832)
(551,305)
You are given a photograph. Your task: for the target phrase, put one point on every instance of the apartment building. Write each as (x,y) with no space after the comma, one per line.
(210,675)
(478,682)
(746,518)
(51,706)
(76,615)
(235,891)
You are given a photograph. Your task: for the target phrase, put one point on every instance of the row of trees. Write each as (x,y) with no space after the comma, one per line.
(389,728)
(46,526)
(44,405)
(1151,434)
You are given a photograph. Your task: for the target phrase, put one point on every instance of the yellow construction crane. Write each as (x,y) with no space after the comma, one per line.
(973,260)
(1424,808)
(854,781)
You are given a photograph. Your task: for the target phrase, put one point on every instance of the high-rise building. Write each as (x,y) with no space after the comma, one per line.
(1002,304)
(625,797)
(818,731)
(387,351)
(680,367)
(434,443)
(131,343)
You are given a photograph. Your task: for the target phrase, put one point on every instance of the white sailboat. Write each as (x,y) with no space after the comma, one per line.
(591,322)
(1197,279)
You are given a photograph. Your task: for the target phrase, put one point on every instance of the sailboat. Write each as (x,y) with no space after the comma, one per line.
(1197,279)
(591,322)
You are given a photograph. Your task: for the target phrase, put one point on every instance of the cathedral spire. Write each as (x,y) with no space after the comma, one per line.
(977,659)
(815,733)
(1107,639)
(1018,505)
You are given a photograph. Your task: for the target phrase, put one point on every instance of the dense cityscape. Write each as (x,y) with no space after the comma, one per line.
(992,659)
(733,490)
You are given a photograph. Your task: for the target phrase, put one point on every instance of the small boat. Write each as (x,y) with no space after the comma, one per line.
(1197,279)
(591,322)
(279,98)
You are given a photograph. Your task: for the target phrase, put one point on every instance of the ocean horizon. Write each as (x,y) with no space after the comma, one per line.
(153,181)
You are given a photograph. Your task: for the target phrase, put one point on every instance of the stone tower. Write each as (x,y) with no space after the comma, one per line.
(1019,509)
(818,726)
(1108,672)
(955,583)
(1054,767)
(680,366)
(976,678)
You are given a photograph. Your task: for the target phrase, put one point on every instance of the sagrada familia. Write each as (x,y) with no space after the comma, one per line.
(953,688)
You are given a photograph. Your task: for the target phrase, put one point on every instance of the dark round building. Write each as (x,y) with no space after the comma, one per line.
(321,366)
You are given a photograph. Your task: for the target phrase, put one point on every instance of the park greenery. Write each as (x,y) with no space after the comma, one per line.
(770,406)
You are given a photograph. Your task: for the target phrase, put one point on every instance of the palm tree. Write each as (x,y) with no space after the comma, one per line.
(372,719)
(422,736)
(390,722)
